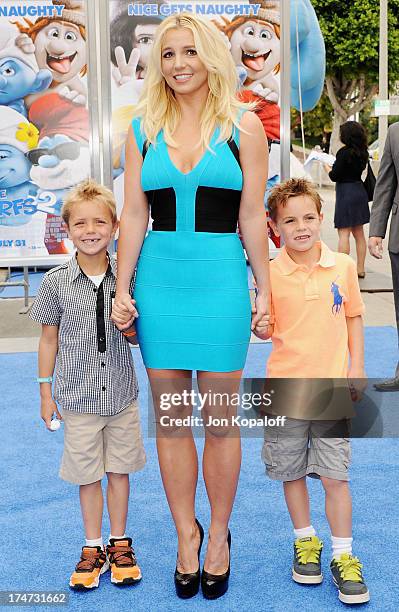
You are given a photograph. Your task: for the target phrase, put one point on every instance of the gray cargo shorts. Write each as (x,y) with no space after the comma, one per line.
(299,449)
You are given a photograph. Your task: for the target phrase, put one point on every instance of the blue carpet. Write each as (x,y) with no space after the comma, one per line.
(41,526)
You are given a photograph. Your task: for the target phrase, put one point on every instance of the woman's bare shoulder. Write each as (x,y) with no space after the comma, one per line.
(251,129)
(250,120)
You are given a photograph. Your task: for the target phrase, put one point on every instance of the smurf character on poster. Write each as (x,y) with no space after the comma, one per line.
(132,38)
(255,47)
(308,56)
(22,222)
(17,137)
(61,159)
(20,75)
(59,41)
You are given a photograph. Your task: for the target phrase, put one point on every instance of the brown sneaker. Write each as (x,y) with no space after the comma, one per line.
(124,568)
(93,562)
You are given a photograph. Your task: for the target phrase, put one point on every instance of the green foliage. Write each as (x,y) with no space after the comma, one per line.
(369,122)
(351,34)
(316,122)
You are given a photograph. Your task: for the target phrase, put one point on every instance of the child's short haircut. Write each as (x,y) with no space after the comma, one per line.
(290,189)
(88,191)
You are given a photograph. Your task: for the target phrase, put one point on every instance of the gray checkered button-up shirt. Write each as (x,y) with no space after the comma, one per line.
(94,369)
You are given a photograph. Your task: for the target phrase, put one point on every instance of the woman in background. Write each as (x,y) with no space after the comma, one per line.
(351,201)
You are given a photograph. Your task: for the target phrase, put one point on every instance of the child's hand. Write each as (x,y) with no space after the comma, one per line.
(357,379)
(264,328)
(124,311)
(47,408)
(125,326)
(259,309)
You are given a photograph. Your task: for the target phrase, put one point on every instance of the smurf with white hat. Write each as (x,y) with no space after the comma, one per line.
(17,138)
(19,72)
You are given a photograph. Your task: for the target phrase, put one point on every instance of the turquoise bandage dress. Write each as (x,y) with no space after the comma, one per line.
(191,286)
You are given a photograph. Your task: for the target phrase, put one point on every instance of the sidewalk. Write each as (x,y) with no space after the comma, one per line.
(18,333)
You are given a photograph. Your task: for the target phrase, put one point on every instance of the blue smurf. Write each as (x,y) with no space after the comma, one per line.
(19,73)
(307,71)
(17,191)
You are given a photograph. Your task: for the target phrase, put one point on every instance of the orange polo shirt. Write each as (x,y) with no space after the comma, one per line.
(310,337)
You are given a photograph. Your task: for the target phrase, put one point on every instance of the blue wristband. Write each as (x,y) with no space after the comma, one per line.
(48,379)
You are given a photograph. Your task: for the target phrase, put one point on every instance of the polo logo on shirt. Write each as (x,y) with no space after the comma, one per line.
(336,307)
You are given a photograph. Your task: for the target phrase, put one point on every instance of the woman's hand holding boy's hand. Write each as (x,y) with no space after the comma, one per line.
(124,311)
(264,329)
(47,408)
(260,315)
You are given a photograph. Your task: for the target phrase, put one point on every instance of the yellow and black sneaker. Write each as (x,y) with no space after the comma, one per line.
(307,566)
(93,562)
(124,568)
(347,575)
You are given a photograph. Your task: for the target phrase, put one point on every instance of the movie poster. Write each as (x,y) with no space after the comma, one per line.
(252,31)
(44,121)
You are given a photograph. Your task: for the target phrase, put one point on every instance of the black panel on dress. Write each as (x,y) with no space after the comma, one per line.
(234,149)
(163,209)
(216,209)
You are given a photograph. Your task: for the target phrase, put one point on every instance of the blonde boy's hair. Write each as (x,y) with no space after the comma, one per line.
(157,104)
(290,189)
(88,191)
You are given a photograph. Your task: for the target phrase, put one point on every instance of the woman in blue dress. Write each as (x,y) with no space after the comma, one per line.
(196,160)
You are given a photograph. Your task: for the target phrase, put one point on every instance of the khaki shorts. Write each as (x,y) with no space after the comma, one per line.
(298,449)
(94,445)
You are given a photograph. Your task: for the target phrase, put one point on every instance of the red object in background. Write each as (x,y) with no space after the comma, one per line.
(268,113)
(54,236)
(53,115)
(275,239)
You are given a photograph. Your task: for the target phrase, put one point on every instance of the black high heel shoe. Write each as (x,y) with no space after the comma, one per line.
(187,585)
(215,585)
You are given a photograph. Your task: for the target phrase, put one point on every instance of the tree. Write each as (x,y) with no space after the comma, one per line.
(317,122)
(351,35)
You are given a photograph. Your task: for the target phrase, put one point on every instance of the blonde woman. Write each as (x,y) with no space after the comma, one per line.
(198,162)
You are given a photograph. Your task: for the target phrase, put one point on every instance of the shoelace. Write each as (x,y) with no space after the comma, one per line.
(122,555)
(88,561)
(308,552)
(350,568)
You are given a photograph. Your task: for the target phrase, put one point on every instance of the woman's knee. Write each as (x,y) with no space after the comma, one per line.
(344,233)
(358,231)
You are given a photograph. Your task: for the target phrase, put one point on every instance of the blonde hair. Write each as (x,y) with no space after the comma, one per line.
(292,188)
(157,104)
(88,191)
(121,119)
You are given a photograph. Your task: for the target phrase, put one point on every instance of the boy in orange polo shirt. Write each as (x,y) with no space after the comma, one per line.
(317,326)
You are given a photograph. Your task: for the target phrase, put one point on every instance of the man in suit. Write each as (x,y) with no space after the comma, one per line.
(386,203)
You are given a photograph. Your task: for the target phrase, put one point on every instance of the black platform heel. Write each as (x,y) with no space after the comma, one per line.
(215,585)
(187,585)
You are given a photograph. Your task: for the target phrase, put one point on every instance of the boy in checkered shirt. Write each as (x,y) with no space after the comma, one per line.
(95,384)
